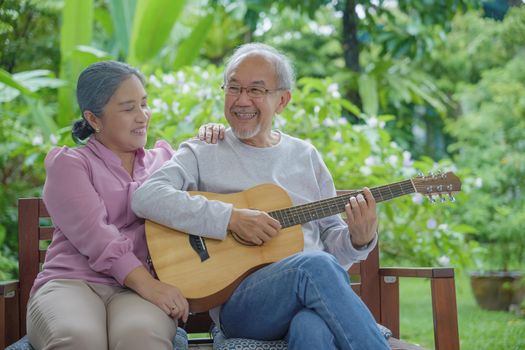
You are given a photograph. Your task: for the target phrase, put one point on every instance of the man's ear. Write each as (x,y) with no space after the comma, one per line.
(286,96)
(93,121)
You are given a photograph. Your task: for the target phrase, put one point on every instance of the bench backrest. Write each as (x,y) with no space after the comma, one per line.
(35,229)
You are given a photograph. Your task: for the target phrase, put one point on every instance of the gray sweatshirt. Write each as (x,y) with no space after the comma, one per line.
(232,166)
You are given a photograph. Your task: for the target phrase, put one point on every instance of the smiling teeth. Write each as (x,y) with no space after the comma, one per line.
(139,131)
(245,115)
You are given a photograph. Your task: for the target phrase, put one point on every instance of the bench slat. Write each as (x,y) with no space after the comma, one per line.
(45,233)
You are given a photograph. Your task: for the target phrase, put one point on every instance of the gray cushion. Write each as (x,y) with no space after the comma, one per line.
(220,342)
(180,342)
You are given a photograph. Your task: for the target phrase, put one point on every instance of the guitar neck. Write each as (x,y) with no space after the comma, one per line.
(327,207)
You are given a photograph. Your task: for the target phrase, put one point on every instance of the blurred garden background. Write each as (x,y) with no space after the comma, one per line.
(385,89)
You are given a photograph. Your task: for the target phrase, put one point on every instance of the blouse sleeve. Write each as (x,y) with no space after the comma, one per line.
(80,213)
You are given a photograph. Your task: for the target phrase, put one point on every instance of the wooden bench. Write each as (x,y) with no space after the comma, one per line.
(378,287)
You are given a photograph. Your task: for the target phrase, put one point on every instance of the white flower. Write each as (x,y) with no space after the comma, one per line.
(317,109)
(154,81)
(443,227)
(333,89)
(168,78)
(338,137)
(342,121)
(407,159)
(372,122)
(393,160)
(366,171)
(159,105)
(328,122)
(443,260)
(417,198)
(431,224)
(478,182)
(371,160)
(37,140)
(175,107)
(53,139)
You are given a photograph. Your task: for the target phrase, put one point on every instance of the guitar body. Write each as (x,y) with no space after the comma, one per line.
(209,283)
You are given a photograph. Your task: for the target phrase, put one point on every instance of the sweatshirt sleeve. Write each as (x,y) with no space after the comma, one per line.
(163,199)
(80,213)
(334,230)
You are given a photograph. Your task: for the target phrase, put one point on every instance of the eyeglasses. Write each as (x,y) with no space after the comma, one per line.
(251,91)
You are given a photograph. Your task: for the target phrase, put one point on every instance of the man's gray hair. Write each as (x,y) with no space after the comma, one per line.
(283,68)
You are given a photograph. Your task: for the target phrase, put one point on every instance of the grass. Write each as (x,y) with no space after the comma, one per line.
(478,329)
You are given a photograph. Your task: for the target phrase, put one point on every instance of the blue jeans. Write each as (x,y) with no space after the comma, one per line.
(305,299)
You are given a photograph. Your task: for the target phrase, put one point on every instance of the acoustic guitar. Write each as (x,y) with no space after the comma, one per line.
(207,271)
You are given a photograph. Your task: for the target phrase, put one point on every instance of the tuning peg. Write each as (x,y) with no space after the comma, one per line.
(441,198)
(431,199)
(451,197)
(420,174)
(431,174)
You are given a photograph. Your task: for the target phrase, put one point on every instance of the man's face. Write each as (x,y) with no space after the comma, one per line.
(251,117)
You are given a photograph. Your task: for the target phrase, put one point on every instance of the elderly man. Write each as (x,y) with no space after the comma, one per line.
(305,298)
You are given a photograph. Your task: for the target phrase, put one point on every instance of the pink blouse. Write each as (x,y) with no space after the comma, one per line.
(87,192)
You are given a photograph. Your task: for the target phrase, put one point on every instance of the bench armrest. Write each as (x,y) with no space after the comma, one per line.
(425,272)
(9,313)
(444,308)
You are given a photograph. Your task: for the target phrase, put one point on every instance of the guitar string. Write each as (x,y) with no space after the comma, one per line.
(331,206)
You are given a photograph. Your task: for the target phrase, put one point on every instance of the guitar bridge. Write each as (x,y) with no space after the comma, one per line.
(198,244)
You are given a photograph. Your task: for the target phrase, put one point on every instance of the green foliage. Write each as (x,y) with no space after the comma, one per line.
(28,35)
(8,263)
(183,101)
(474,45)
(313,44)
(188,51)
(151,29)
(490,135)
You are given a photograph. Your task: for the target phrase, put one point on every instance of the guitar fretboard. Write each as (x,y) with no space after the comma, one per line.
(327,207)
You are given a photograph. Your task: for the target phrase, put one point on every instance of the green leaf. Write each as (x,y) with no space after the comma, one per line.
(91,51)
(8,80)
(188,50)
(152,26)
(87,55)
(350,107)
(122,14)
(77,29)
(368,94)
(77,25)
(42,117)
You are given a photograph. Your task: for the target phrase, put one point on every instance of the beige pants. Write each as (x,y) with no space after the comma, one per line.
(74,314)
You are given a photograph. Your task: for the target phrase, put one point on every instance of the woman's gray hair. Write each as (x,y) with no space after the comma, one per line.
(96,84)
(283,68)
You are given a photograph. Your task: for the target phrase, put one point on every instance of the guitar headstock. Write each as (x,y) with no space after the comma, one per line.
(437,184)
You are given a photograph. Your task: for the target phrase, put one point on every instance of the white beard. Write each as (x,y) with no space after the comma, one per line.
(246,134)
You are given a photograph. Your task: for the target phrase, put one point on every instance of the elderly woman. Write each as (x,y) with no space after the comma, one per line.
(97,288)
